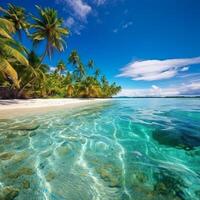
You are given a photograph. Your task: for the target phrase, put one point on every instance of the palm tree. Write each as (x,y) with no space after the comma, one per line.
(11,53)
(33,76)
(104,80)
(80,71)
(114,89)
(48,27)
(74,58)
(70,90)
(68,78)
(17,16)
(90,64)
(96,73)
(60,67)
(34,61)
(89,88)
(24,69)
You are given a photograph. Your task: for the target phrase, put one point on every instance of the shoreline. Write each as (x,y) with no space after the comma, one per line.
(18,107)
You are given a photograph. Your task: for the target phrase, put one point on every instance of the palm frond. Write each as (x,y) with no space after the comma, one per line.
(7,69)
(7,25)
(5,34)
(14,53)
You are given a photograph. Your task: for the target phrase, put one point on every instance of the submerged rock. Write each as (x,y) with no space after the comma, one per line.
(63,150)
(141,177)
(169,186)
(33,134)
(26,184)
(177,138)
(8,193)
(50,176)
(25,127)
(20,172)
(20,157)
(6,155)
(11,135)
(111,176)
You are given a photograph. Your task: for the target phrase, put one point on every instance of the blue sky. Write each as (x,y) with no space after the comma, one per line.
(149,47)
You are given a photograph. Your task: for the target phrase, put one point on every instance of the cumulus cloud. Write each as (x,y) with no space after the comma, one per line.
(155,91)
(78,11)
(73,25)
(79,8)
(149,70)
(69,22)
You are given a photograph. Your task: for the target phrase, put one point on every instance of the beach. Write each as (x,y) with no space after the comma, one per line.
(19,107)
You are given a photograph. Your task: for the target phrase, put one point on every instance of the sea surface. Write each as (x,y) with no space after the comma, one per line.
(140,149)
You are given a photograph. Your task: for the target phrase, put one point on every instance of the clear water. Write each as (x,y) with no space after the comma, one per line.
(141,149)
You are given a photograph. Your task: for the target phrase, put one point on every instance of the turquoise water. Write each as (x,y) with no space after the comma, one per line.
(141,149)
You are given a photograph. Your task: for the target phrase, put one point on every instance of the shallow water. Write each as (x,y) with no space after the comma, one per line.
(141,149)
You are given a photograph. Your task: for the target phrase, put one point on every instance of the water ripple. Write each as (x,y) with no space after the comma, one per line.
(125,149)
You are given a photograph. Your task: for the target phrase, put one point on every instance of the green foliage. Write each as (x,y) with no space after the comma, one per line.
(49,27)
(11,53)
(25,71)
(17,16)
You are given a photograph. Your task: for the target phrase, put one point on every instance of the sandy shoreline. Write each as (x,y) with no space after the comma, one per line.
(18,107)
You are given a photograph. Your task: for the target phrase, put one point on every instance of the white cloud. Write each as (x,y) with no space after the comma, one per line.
(150,70)
(184,89)
(191,75)
(123,26)
(79,8)
(155,87)
(78,11)
(100,2)
(69,22)
(184,69)
(126,25)
(74,27)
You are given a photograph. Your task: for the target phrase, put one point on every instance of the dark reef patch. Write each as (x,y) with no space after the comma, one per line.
(177,138)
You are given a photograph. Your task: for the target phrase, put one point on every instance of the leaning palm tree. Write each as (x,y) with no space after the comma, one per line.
(34,61)
(11,53)
(17,16)
(33,76)
(48,27)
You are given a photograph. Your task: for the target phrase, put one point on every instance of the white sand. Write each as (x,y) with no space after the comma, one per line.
(16,107)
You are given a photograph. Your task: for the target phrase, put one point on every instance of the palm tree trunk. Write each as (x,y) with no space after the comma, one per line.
(20,92)
(43,56)
(22,89)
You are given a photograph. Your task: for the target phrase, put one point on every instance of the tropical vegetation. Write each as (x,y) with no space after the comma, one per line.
(24,73)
